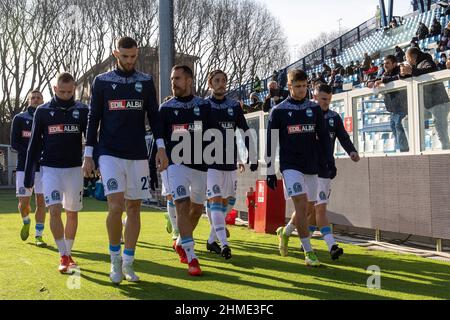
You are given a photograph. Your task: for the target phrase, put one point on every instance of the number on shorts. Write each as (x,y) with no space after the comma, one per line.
(145,182)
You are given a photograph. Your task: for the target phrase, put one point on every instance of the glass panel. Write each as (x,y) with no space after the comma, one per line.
(253,123)
(338,106)
(383,122)
(434,109)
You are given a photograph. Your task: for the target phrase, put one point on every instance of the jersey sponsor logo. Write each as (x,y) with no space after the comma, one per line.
(76,114)
(52,113)
(28,122)
(114,86)
(323,196)
(230,112)
(181,191)
(188,127)
(118,105)
(197,111)
(290,114)
(331,122)
(297,187)
(63,128)
(138,86)
(302,128)
(176,112)
(26,134)
(227,125)
(56,196)
(309,113)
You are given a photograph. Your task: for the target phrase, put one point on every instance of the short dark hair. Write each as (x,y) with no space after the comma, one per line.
(36,91)
(126,43)
(297,75)
(391,57)
(65,77)
(414,51)
(325,88)
(187,71)
(214,73)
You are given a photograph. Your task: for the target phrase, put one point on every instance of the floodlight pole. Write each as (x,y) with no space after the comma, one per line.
(166,47)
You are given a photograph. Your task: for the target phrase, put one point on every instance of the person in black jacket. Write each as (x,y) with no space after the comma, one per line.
(436,27)
(422,31)
(399,54)
(20,137)
(56,145)
(396,102)
(435,95)
(275,96)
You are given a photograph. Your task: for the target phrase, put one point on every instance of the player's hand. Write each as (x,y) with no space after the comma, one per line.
(162,162)
(272,181)
(88,167)
(241,168)
(254,167)
(153,180)
(354,156)
(333,171)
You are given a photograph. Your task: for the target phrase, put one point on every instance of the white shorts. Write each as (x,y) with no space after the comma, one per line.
(132,177)
(221,184)
(297,183)
(63,186)
(21,191)
(165,190)
(323,191)
(185,182)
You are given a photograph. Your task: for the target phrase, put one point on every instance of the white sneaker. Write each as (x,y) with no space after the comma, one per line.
(128,271)
(116,274)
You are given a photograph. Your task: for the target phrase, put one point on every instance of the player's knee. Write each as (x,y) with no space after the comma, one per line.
(116,205)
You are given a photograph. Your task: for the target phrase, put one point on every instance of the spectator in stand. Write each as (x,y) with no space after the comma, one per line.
(366,62)
(333,53)
(442,64)
(371,73)
(275,96)
(318,79)
(415,43)
(436,28)
(326,70)
(422,31)
(357,70)
(399,54)
(336,82)
(445,41)
(337,66)
(396,101)
(393,24)
(350,70)
(275,75)
(255,103)
(435,95)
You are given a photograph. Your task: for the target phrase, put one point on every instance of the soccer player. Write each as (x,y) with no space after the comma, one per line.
(56,143)
(20,137)
(170,214)
(120,99)
(186,117)
(318,213)
(304,147)
(221,179)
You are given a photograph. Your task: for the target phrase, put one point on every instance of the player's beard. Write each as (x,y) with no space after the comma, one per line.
(126,67)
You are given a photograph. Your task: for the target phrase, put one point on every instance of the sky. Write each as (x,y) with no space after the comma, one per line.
(303,20)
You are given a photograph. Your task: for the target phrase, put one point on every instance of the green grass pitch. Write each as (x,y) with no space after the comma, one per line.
(255,272)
